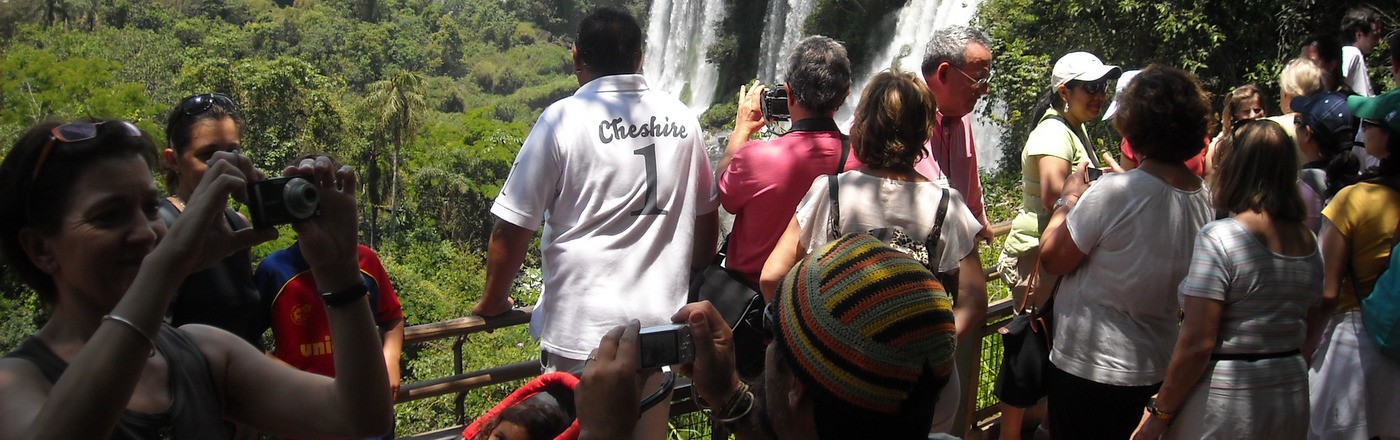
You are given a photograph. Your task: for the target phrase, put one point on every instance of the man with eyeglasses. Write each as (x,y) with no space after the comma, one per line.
(957,68)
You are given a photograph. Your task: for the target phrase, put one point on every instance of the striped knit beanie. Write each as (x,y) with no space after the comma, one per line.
(863,321)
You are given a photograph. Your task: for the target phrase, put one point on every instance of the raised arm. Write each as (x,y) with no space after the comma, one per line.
(747,121)
(274,398)
(90,397)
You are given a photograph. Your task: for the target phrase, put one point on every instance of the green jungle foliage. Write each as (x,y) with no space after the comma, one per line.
(1225,43)
(428,99)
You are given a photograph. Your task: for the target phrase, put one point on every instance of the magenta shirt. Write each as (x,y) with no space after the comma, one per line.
(762,186)
(954,161)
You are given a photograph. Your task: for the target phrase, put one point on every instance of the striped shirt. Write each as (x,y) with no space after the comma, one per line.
(1266,298)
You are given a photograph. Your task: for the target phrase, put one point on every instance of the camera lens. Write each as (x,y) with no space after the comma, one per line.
(300,198)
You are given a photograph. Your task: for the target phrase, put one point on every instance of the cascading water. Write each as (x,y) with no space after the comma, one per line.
(905,49)
(782,29)
(678,34)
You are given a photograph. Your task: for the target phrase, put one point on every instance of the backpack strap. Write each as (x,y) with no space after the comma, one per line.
(1083,138)
(833,191)
(935,235)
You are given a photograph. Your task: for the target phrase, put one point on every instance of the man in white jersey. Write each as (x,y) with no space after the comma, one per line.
(618,175)
(1361,33)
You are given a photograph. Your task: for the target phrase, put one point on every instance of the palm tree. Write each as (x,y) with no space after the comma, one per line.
(398,104)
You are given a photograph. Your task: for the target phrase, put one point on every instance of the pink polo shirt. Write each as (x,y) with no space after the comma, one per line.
(762,186)
(954,161)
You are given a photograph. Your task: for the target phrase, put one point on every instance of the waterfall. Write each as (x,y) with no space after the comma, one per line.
(913,26)
(678,34)
(782,29)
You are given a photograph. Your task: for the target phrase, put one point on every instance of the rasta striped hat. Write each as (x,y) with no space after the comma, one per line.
(864,322)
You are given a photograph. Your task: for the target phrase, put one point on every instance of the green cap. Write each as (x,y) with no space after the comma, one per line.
(1384,108)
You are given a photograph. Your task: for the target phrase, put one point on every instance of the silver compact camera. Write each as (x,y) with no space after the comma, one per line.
(283,200)
(663,345)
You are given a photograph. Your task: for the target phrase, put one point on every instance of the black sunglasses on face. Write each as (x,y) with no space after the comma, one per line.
(1094,87)
(201,102)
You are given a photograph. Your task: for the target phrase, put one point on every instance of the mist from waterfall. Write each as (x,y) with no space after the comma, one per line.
(782,29)
(678,34)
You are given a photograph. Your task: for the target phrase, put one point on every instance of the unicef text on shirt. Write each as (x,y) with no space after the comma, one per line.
(610,130)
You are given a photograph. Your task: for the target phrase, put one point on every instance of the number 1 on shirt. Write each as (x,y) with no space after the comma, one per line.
(648,153)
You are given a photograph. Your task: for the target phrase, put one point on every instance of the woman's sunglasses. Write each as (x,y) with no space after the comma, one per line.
(1093,87)
(200,103)
(76,132)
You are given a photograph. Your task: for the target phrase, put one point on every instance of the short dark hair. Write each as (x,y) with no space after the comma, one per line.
(819,74)
(892,121)
(39,202)
(949,45)
(1330,51)
(1358,19)
(1164,114)
(1258,172)
(179,127)
(541,421)
(609,42)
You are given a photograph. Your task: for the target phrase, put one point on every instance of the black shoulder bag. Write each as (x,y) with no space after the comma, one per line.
(739,301)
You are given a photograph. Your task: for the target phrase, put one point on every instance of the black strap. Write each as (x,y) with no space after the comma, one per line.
(832,190)
(814,124)
(935,236)
(1084,139)
(1251,357)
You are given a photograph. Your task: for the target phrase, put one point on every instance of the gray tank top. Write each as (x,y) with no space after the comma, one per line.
(194,408)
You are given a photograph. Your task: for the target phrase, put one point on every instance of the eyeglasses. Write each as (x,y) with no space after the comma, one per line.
(201,102)
(1093,87)
(978,83)
(76,132)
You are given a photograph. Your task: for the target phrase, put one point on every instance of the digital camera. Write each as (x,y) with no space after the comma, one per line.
(663,345)
(283,200)
(775,103)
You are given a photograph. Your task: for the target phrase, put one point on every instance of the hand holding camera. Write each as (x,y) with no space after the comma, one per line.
(330,240)
(201,237)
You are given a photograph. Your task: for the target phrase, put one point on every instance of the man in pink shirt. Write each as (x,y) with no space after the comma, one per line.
(760,182)
(957,67)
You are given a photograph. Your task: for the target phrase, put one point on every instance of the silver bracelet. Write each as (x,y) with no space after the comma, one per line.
(128,323)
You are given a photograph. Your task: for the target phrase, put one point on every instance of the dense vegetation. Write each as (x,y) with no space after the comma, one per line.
(429,99)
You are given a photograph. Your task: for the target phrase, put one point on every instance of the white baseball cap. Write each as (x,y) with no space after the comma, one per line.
(1082,66)
(1123,81)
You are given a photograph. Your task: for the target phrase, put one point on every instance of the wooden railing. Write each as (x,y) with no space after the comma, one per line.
(970,421)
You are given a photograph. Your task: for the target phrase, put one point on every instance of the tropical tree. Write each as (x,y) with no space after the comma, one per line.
(399,104)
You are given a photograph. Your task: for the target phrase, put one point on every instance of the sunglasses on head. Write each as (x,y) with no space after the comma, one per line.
(201,102)
(1093,87)
(77,132)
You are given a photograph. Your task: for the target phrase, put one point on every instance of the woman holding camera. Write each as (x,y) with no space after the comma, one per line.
(1122,248)
(222,295)
(79,224)
(1237,371)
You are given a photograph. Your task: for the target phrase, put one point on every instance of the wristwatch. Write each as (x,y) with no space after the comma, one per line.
(344,296)
(1060,202)
(1157,413)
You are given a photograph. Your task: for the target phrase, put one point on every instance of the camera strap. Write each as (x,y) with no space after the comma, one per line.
(814,124)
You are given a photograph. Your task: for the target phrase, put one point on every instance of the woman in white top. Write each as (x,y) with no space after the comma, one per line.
(887,198)
(1123,248)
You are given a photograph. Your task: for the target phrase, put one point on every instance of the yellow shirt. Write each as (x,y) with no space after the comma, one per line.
(1366,214)
(1050,138)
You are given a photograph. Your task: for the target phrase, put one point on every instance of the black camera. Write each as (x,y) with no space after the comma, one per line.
(663,345)
(775,103)
(283,200)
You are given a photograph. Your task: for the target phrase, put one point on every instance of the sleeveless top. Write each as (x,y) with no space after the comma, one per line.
(224,295)
(194,411)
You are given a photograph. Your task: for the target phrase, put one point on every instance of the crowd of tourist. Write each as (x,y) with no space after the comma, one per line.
(1209,281)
